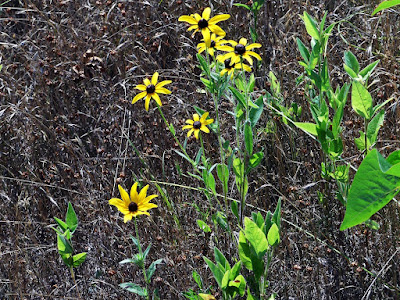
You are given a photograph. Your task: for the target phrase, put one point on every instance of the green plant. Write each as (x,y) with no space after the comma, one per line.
(65,231)
(385,5)
(254,9)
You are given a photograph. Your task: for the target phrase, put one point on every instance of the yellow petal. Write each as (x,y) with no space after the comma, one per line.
(149,198)
(146,81)
(217,30)
(196,117)
(138,97)
(252,46)
(219,18)
(190,132)
(204,116)
(206,13)
(206,36)
(193,27)
(223,72)
(118,203)
(226,48)
(142,194)
(162,83)
(147,206)
(140,213)
(188,19)
(189,121)
(205,129)
(211,51)
(197,17)
(162,90)
(247,57)
(208,122)
(128,217)
(154,78)
(196,133)
(187,127)
(243,41)
(134,194)
(147,102)
(124,195)
(254,54)
(157,98)
(141,87)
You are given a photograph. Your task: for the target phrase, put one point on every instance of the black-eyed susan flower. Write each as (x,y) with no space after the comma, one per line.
(198,124)
(239,50)
(204,24)
(135,204)
(216,43)
(230,68)
(151,89)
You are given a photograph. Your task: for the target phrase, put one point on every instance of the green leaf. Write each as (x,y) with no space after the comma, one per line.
(146,252)
(152,268)
(276,217)
(367,71)
(235,270)
(218,275)
(239,96)
(255,113)
(244,252)
(360,142)
(371,224)
(273,235)
(240,283)
(79,258)
(379,106)
(394,157)
(235,209)
(172,129)
(63,245)
(62,224)
(303,50)
(374,125)
(256,237)
(71,218)
(203,226)
(311,26)
(307,127)
(248,138)
(134,288)
(361,100)
(67,259)
(225,280)
(251,84)
(203,64)
(351,61)
(256,159)
(249,295)
(385,5)
(223,176)
(373,187)
(220,259)
(128,261)
(135,241)
(242,5)
(197,278)
(221,220)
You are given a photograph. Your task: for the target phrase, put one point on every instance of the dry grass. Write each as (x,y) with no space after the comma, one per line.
(65,114)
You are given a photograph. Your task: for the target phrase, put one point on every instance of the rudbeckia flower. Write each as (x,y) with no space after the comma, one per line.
(135,204)
(230,68)
(239,50)
(151,89)
(198,124)
(204,24)
(216,43)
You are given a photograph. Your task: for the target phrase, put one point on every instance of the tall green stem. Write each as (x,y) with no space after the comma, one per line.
(143,266)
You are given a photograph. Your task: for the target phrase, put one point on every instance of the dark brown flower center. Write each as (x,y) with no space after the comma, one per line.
(197,125)
(202,23)
(212,45)
(150,89)
(133,207)
(227,64)
(240,49)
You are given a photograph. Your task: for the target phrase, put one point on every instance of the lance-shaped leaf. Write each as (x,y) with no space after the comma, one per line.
(361,100)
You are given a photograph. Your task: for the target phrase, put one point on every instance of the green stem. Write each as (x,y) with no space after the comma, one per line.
(71,268)
(143,266)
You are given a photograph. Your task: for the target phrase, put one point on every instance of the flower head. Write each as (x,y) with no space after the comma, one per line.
(135,204)
(204,24)
(239,50)
(198,124)
(216,43)
(229,67)
(151,89)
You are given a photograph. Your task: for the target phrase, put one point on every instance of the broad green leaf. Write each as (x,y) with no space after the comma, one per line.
(197,278)
(152,268)
(221,259)
(134,288)
(203,63)
(273,235)
(249,295)
(360,142)
(256,237)
(67,259)
(218,275)
(351,61)
(63,245)
(235,270)
(240,283)
(372,189)
(308,127)
(394,157)
(71,218)
(248,138)
(311,26)
(252,82)
(239,96)
(374,125)
(349,71)
(303,50)
(244,252)
(275,85)
(366,72)
(235,209)
(361,100)
(255,113)
(385,5)
(256,159)
(61,223)
(223,176)
(211,183)
(79,258)
(225,280)
(203,226)
(221,220)
(379,106)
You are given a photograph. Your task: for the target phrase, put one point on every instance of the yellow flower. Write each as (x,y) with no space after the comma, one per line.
(151,89)
(198,124)
(230,68)
(216,43)
(204,24)
(136,204)
(239,50)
